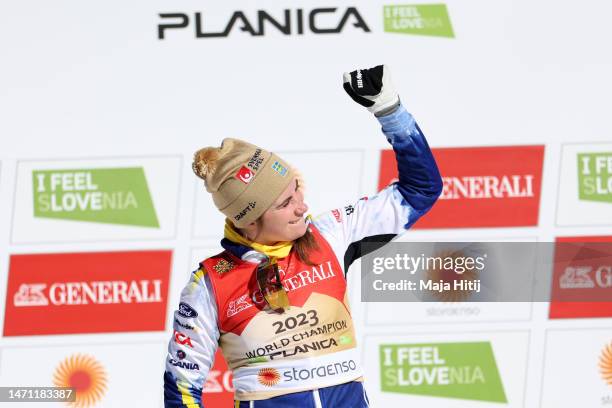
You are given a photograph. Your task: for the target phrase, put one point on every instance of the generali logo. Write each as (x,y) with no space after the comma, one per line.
(87,292)
(582,277)
(483,186)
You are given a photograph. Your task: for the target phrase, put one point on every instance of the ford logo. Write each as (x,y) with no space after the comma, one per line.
(186,311)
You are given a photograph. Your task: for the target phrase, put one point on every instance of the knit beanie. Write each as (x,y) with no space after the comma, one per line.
(244,179)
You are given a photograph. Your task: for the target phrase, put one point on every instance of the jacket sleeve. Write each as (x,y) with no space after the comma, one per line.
(396,208)
(192,348)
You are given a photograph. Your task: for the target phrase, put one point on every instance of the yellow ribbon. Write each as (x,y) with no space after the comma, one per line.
(279,250)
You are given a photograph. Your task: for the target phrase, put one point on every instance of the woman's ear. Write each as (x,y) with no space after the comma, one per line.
(249,230)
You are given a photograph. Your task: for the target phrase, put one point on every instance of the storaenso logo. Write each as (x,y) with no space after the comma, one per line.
(595,177)
(111,196)
(451,370)
(293,21)
(422,19)
(323,371)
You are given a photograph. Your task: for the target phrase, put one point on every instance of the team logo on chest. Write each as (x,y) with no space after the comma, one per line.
(238,305)
(223,265)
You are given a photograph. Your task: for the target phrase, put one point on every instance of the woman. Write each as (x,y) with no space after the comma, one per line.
(275,299)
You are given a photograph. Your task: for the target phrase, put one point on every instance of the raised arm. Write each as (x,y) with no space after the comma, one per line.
(396,208)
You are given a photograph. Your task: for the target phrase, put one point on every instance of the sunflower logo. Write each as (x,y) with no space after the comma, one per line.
(86,375)
(439,273)
(605,364)
(268,376)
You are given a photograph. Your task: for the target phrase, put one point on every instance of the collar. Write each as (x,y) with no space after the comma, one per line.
(241,247)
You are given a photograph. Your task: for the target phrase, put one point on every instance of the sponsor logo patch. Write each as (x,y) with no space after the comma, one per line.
(186,311)
(188,365)
(256,160)
(182,339)
(184,325)
(223,265)
(238,305)
(245,175)
(279,168)
(268,376)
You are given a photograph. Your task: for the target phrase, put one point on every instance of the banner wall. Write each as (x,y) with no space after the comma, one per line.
(103,105)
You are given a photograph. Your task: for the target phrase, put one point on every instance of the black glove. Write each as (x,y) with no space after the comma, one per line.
(373,89)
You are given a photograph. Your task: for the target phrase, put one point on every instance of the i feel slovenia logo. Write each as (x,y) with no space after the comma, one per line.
(105,195)
(419,19)
(452,370)
(595,177)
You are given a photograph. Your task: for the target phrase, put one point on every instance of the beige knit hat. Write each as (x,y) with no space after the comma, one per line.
(244,180)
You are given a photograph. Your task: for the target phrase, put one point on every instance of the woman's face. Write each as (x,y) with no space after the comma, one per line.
(284,220)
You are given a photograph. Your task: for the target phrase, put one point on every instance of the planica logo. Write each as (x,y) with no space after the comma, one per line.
(451,370)
(111,196)
(421,19)
(327,20)
(595,177)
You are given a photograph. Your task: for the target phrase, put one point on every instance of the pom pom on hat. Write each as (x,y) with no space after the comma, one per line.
(205,161)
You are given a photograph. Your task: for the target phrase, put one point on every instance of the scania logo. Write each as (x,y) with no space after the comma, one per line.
(328,20)
(186,311)
(185,364)
(181,354)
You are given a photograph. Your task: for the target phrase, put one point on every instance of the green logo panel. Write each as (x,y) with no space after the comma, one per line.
(451,370)
(595,177)
(110,196)
(419,19)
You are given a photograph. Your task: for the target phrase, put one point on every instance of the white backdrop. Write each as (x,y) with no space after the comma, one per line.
(89,83)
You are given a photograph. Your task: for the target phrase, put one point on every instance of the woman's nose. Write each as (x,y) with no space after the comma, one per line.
(301,208)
